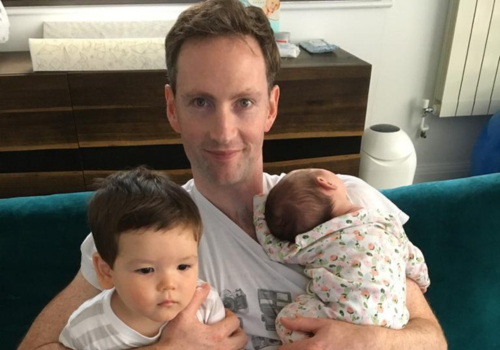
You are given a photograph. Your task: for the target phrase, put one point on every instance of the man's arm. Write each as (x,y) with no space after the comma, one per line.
(421,333)
(184,332)
(44,332)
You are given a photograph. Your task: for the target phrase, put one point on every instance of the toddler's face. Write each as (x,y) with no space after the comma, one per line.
(155,275)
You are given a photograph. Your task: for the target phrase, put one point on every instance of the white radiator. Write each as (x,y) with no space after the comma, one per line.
(469,77)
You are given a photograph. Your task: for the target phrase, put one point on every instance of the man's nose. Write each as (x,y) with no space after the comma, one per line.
(223,126)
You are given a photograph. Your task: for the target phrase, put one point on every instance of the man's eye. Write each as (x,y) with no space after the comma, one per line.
(200,102)
(145,270)
(245,103)
(183,267)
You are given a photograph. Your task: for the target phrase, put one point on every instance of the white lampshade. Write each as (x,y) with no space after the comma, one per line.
(388,157)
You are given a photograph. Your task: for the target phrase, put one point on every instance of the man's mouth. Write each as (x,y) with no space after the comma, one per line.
(223,155)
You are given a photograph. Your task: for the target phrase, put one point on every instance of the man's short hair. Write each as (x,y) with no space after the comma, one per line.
(296,205)
(129,201)
(216,18)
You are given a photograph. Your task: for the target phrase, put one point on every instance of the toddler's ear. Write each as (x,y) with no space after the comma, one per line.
(103,271)
(327,185)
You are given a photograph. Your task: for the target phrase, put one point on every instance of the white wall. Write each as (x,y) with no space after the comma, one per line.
(402,42)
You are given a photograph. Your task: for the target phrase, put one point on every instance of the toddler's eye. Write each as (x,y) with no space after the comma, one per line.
(183,267)
(145,270)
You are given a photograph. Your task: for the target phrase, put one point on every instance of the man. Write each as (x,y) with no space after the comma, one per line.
(222,60)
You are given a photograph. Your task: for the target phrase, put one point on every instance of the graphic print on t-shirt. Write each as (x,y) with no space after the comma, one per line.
(271,302)
(235,301)
(259,343)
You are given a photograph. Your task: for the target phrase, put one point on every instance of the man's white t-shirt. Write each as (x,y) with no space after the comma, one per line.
(253,286)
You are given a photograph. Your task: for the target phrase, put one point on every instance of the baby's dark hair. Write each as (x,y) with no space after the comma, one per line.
(138,199)
(296,205)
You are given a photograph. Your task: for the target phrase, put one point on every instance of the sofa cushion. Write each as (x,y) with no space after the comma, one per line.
(456,223)
(39,255)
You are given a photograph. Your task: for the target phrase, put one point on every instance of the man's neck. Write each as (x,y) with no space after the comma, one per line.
(235,201)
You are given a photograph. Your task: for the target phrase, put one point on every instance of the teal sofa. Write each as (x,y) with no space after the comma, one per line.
(456,223)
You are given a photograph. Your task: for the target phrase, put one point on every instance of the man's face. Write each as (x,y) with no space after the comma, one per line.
(222,108)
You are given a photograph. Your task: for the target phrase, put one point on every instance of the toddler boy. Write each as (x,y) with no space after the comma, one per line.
(146,230)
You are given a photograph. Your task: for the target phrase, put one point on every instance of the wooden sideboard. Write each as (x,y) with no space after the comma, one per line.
(60,130)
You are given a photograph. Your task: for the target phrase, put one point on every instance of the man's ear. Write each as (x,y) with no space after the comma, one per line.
(171,111)
(103,271)
(325,184)
(274,97)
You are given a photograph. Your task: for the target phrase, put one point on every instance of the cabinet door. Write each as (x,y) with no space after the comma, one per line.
(101,161)
(121,123)
(120,109)
(322,109)
(38,143)
(322,102)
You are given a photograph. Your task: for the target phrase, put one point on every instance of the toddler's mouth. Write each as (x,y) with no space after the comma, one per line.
(167,302)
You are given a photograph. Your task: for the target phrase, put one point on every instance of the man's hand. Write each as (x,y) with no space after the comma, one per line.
(329,334)
(186,332)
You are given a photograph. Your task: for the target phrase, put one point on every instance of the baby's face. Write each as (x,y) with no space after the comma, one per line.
(155,275)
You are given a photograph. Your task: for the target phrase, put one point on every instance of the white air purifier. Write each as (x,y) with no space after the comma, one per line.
(388,157)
